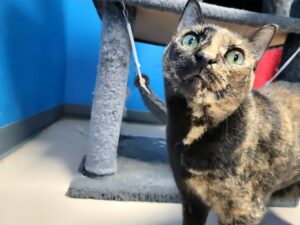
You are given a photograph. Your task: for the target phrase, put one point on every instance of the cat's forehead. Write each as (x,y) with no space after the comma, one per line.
(215,34)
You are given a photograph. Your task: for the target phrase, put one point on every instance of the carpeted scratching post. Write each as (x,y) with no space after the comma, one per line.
(292,71)
(113,67)
(277,7)
(220,13)
(110,91)
(144,173)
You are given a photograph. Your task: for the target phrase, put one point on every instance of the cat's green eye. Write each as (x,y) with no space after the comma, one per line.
(235,57)
(190,41)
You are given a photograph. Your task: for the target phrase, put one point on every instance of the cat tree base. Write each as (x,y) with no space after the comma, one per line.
(109,101)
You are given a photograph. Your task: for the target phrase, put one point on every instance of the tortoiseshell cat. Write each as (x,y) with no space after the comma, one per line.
(230,147)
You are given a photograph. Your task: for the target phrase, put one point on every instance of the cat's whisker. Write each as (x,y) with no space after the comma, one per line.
(226,131)
(219,95)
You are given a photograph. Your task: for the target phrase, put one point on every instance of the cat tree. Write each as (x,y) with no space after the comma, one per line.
(153,21)
(113,66)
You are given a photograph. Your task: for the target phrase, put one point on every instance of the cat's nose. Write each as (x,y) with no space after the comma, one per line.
(200,56)
(203,58)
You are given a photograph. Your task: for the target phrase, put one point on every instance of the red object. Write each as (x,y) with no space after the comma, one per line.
(267,67)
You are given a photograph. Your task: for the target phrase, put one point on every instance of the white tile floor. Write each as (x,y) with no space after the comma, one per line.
(35,178)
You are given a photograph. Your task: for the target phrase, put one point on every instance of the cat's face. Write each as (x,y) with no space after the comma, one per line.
(208,57)
(207,62)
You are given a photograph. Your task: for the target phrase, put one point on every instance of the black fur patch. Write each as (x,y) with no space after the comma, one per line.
(214,150)
(199,121)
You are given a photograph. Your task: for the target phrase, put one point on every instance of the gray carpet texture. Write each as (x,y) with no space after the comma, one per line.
(143,175)
(110,92)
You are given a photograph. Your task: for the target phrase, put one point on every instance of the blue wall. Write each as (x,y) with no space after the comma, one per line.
(49,54)
(82,45)
(32,54)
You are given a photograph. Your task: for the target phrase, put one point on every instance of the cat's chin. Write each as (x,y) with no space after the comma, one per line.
(189,87)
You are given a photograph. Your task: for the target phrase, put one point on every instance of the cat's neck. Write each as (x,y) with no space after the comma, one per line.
(181,119)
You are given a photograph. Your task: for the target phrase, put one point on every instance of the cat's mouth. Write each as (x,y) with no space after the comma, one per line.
(191,76)
(195,78)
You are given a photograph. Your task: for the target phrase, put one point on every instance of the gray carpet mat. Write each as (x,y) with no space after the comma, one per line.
(143,175)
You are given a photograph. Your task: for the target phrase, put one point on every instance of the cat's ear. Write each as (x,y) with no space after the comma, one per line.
(261,38)
(192,15)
